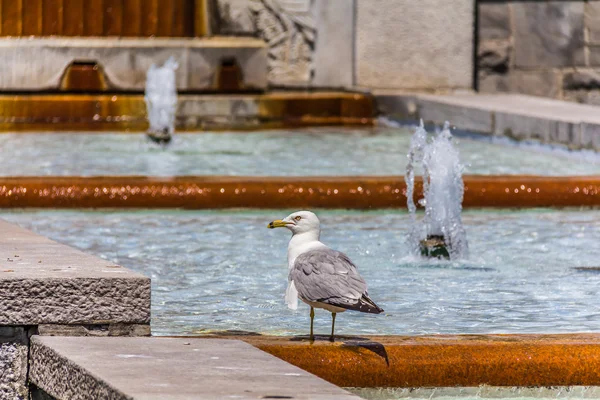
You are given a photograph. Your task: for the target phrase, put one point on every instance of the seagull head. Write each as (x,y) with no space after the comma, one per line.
(298,222)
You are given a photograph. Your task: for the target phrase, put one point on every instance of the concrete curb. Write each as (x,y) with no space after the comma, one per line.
(168,368)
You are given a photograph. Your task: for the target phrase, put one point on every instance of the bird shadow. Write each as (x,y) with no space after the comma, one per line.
(352,343)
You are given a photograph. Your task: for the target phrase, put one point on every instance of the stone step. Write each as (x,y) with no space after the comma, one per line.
(168,369)
(38,64)
(517,116)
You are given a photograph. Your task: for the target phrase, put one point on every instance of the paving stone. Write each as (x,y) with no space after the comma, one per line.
(44,282)
(168,369)
(494,20)
(549,33)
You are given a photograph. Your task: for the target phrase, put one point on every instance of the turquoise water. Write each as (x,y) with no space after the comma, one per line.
(323,151)
(528,272)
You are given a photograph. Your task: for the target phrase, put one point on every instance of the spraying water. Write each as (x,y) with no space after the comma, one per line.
(161,100)
(443,191)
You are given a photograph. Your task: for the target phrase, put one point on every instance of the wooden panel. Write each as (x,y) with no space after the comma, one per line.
(93,17)
(165,17)
(132,23)
(52,17)
(183,18)
(113,17)
(12,20)
(32,17)
(73,17)
(149,17)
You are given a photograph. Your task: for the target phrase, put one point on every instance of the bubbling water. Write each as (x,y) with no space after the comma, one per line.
(161,97)
(443,191)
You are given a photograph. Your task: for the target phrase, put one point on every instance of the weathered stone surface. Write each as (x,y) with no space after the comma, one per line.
(334,47)
(437,110)
(494,20)
(44,282)
(592,20)
(549,34)
(518,116)
(126,61)
(522,127)
(288,27)
(590,136)
(594,55)
(493,83)
(432,44)
(168,368)
(494,56)
(94,330)
(13,363)
(545,83)
(581,79)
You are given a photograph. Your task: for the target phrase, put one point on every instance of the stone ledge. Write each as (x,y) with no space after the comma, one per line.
(168,368)
(44,282)
(518,116)
(125,62)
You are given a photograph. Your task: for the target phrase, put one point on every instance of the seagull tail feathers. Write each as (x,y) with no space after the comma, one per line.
(364,304)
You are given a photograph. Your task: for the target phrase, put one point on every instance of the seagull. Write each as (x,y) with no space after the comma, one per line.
(320,276)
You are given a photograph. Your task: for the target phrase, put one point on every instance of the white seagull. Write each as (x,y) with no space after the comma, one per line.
(320,276)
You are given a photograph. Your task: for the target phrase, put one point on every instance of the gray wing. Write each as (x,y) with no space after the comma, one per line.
(328,276)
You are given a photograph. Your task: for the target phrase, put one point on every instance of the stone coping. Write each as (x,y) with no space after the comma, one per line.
(44,282)
(536,360)
(357,192)
(123,63)
(517,116)
(168,368)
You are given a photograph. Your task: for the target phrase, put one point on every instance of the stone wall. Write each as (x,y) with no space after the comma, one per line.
(310,42)
(392,44)
(542,48)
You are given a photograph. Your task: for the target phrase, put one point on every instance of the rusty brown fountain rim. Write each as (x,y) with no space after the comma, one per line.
(352,192)
(442,360)
(85,113)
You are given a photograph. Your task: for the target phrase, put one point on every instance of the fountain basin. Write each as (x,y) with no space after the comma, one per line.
(214,271)
(310,152)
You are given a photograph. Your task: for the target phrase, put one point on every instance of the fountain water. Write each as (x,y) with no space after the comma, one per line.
(161,101)
(441,234)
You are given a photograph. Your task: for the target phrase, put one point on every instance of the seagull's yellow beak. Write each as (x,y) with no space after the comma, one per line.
(278,223)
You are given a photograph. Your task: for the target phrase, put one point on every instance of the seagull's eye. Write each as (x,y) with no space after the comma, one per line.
(298,218)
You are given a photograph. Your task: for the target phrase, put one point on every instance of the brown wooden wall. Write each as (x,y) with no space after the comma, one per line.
(167,18)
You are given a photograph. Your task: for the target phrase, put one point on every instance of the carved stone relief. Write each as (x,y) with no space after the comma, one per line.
(288,27)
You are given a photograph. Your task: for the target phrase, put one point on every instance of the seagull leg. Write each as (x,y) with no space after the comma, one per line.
(312,317)
(331,339)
